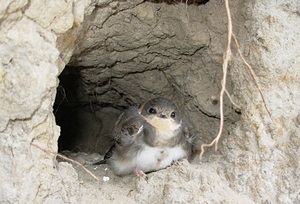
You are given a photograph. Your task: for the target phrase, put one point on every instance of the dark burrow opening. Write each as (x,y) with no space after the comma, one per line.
(128,56)
(85,125)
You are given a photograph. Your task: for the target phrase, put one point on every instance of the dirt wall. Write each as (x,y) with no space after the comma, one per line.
(126,52)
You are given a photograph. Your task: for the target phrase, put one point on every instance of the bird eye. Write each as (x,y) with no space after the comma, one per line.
(173,114)
(152,111)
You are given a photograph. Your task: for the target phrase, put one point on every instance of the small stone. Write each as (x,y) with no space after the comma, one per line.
(105,178)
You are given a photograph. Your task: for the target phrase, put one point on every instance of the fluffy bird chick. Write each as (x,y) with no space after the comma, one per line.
(148,139)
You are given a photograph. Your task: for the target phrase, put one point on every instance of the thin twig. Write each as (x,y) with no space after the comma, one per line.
(67,159)
(226,59)
(252,73)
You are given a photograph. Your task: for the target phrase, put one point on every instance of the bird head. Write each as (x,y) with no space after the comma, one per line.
(161,113)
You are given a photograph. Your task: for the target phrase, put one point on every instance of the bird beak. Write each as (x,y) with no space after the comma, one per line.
(163,115)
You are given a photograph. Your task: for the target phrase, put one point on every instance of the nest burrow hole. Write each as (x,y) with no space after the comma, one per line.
(148,50)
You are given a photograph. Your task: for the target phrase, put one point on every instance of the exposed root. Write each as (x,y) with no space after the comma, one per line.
(226,59)
(231,100)
(186,8)
(254,79)
(67,159)
(63,93)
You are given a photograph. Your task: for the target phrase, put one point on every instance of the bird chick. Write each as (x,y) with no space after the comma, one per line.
(148,139)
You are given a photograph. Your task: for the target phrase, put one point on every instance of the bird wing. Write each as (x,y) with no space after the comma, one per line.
(128,126)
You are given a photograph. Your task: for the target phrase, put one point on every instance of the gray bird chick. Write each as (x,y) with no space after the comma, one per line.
(148,139)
